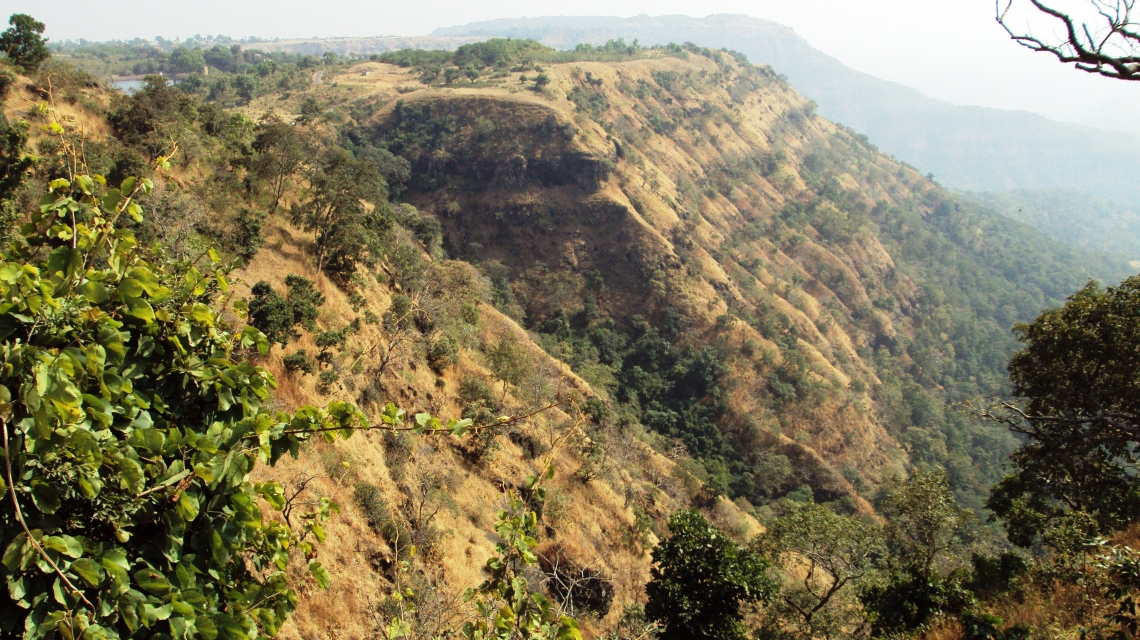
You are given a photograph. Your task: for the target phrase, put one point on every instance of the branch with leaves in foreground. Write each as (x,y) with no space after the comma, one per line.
(507,607)
(131,428)
(131,425)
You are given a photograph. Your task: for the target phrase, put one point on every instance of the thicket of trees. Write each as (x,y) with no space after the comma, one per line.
(1076,385)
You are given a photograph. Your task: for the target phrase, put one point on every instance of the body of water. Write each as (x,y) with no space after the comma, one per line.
(127,86)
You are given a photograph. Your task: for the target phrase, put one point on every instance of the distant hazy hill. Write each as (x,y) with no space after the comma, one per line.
(971,148)
(1071,216)
(360,46)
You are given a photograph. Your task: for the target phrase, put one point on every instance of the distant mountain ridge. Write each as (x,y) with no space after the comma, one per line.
(965,147)
(360,46)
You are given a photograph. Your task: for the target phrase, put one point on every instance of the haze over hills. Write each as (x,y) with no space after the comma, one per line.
(1073,217)
(361,46)
(965,147)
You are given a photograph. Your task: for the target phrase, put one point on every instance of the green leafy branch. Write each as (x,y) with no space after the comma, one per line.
(506,607)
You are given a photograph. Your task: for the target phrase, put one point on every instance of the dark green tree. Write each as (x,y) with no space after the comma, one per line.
(306,300)
(186,60)
(700,579)
(271,314)
(22,42)
(830,557)
(246,86)
(925,533)
(277,316)
(509,361)
(279,154)
(335,210)
(14,166)
(1079,412)
(154,116)
(925,528)
(14,162)
(310,109)
(246,237)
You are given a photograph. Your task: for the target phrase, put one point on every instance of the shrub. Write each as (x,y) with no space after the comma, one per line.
(327,340)
(247,238)
(397,452)
(272,314)
(508,360)
(370,499)
(305,299)
(996,575)
(398,311)
(905,602)
(327,379)
(298,361)
(479,405)
(578,585)
(442,353)
(700,579)
(131,458)
(276,316)
(470,314)
(7,79)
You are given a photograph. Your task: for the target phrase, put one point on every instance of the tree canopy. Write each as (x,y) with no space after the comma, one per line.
(1079,411)
(339,186)
(22,42)
(700,579)
(130,424)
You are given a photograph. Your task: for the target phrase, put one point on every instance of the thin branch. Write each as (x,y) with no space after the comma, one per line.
(437,431)
(1086,48)
(24,525)
(1016,418)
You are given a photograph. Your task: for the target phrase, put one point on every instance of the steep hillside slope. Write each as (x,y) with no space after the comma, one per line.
(965,147)
(408,512)
(662,274)
(733,271)
(419,512)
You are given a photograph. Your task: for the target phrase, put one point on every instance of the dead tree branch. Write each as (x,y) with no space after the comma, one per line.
(1110,46)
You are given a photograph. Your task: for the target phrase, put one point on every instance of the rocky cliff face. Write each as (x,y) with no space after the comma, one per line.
(665,180)
(703,187)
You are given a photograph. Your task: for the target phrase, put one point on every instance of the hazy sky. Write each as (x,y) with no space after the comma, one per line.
(948,49)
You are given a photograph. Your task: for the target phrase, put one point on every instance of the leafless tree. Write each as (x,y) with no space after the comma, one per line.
(1108,45)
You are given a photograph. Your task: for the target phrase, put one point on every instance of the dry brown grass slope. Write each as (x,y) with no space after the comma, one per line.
(589,518)
(666,229)
(664,180)
(590,515)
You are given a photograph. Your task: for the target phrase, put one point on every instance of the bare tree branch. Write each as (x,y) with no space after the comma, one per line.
(1110,47)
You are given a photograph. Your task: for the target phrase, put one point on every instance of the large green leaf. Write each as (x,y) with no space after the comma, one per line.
(89,570)
(320,573)
(152,581)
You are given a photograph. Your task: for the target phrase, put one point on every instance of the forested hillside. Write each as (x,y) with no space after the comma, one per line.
(501,342)
(1076,218)
(823,301)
